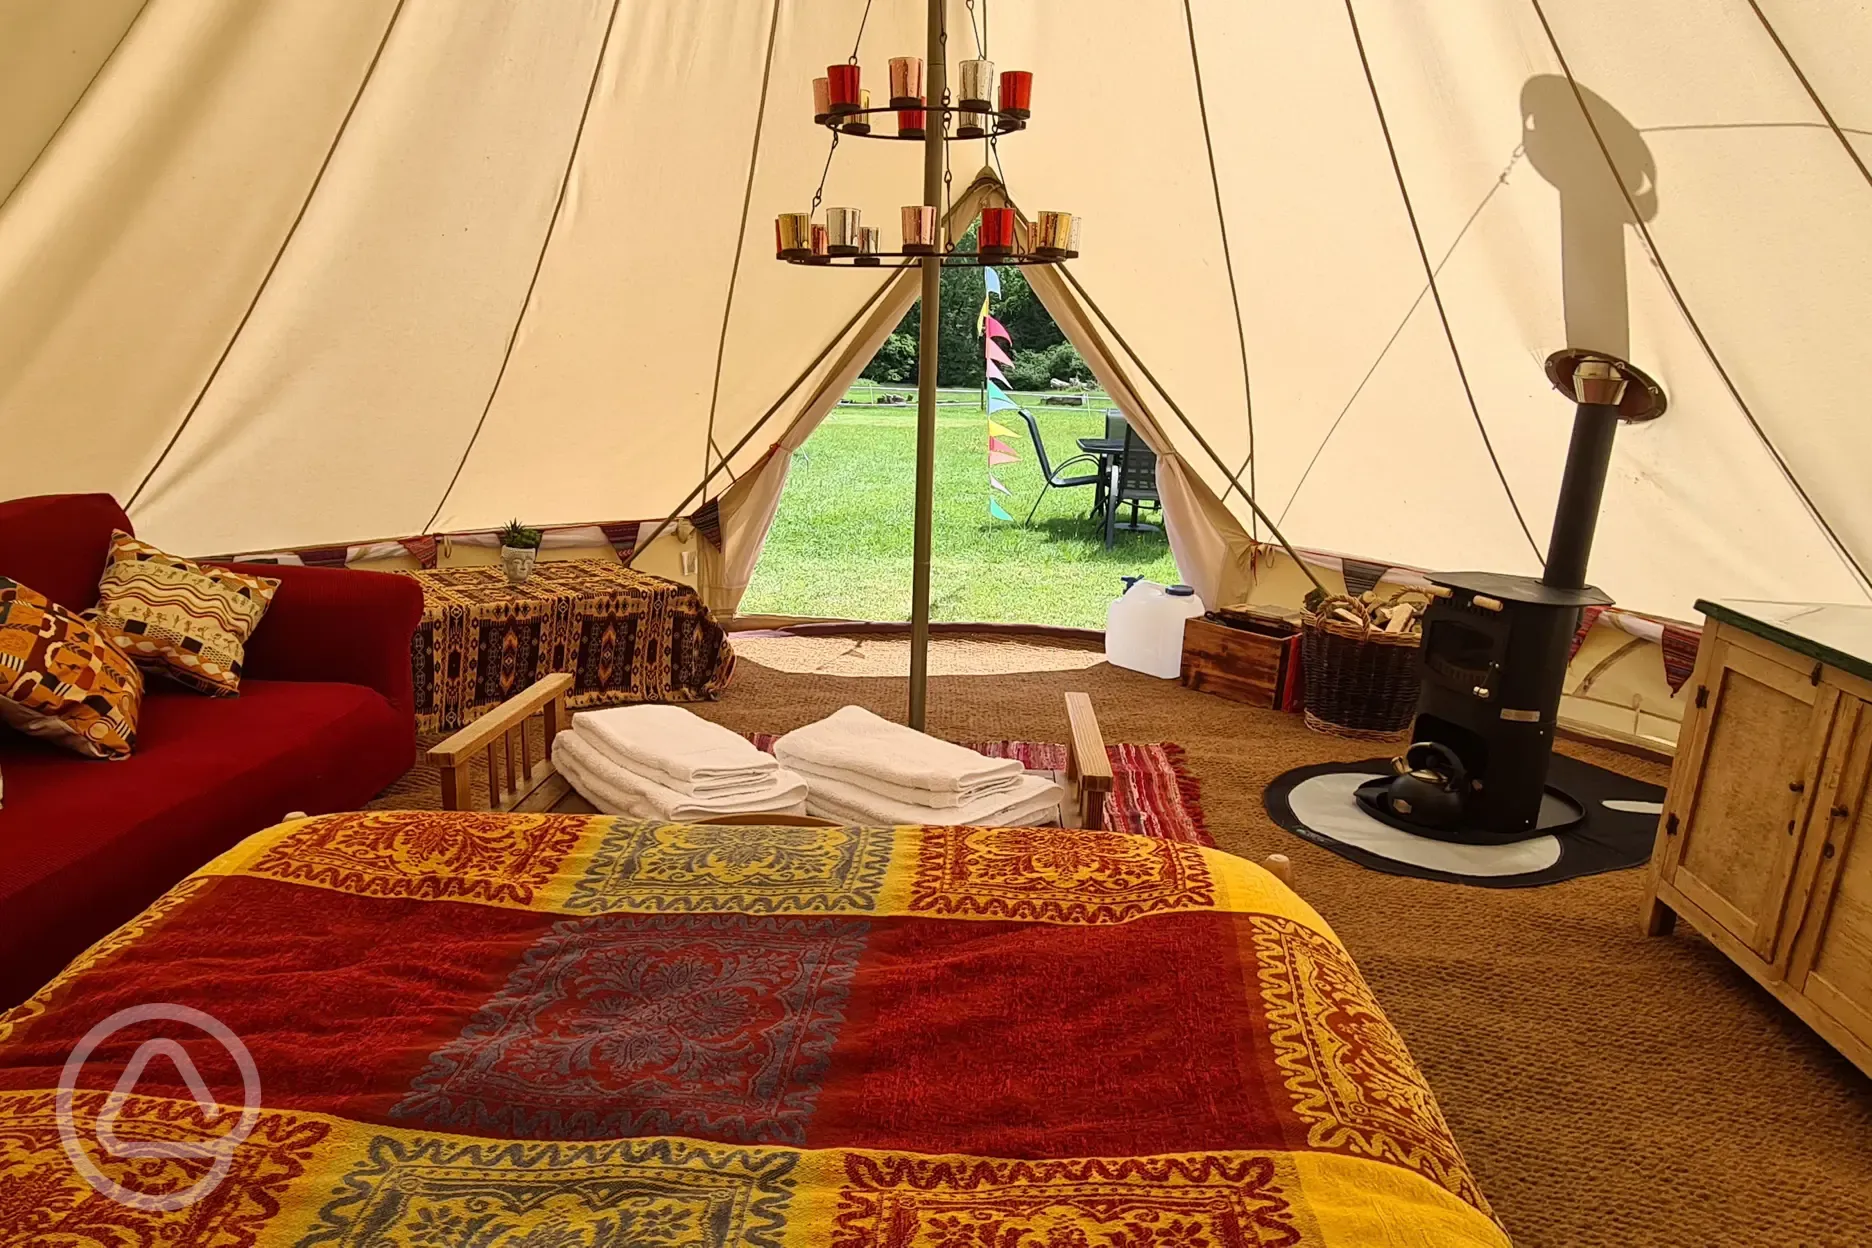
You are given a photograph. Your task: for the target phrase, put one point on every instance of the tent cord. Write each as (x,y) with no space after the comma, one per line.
(1066,272)
(722,463)
(747,198)
(1683,308)
(1852,153)
(267,277)
(1228,261)
(539,264)
(1436,295)
(76,101)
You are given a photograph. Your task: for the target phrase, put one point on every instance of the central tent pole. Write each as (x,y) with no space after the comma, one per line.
(935,128)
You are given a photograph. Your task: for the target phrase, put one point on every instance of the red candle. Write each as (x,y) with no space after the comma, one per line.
(843,81)
(1017,92)
(997,229)
(910,121)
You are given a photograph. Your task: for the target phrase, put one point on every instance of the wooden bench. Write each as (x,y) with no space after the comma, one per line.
(502,734)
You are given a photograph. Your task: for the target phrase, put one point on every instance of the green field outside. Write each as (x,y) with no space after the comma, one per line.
(841,543)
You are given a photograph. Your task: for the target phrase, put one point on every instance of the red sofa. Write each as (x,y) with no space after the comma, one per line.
(324,721)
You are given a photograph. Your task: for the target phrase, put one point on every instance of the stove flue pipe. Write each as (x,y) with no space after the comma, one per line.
(1598,388)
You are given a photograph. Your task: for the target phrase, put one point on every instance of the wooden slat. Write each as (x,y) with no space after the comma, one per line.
(550,689)
(1088,766)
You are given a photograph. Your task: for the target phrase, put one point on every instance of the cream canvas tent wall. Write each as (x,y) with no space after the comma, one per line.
(287,273)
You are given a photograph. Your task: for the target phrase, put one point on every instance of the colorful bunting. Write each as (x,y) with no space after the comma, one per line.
(997,458)
(995,329)
(995,373)
(996,444)
(994,281)
(994,482)
(707,520)
(994,398)
(981,318)
(998,400)
(622,534)
(995,510)
(996,355)
(422,548)
(996,430)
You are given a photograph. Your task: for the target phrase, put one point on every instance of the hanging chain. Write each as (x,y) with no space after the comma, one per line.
(948,233)
(977,28)
(820,193)
(853,58)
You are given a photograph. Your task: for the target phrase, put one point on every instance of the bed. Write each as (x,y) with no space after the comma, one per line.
(561,1031)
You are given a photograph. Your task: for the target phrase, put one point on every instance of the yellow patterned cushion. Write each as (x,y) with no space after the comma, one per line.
(188,622)
(62,680)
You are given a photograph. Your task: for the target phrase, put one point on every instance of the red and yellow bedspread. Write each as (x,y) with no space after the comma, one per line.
(555,1031)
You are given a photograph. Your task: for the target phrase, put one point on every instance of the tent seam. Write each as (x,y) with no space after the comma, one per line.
(266,278)
(70,112)
(747,200)
(1228,261)
(539,263)
(1683,309)
(1852,153)
(1436,295)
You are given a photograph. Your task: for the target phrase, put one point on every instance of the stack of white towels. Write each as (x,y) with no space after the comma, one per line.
(662,762)
(859,768)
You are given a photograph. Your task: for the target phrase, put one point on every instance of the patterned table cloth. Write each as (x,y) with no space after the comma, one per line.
(553,1031)
(624,635)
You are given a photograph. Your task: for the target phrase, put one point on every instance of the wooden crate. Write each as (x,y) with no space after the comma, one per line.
(1242,665)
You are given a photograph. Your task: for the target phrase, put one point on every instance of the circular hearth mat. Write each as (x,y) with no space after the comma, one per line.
(1318,803)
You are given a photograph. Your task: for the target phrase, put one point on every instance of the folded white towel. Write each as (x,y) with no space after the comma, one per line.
(678,748)
(853,740)
(620,791)
(904,793)
(1034,799)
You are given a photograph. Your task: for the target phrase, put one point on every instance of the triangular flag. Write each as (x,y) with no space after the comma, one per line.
(996,444)
(995,328)
(995,483)
(997,458)
(996,355)
(999,431)
(994,509)
(994,281)
(982,318)
(994,371)
(998,400)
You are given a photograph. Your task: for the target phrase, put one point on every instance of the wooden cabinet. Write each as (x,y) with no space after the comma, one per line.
(1766,844)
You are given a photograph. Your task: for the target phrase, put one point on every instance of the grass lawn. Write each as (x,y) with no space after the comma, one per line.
(841,542)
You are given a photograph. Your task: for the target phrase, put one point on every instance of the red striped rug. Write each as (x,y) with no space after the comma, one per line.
(1153,793)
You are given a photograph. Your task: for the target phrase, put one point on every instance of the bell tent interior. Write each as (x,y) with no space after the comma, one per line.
(348,286)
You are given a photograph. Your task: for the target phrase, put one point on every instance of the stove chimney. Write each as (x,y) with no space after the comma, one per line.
(1598,386)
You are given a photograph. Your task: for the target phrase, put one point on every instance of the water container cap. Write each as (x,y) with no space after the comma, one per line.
(1179,591)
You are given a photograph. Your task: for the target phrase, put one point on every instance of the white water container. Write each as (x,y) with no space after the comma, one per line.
(1144,627)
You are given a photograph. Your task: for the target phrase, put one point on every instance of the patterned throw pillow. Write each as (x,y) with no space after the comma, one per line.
(62,680)
(188,622)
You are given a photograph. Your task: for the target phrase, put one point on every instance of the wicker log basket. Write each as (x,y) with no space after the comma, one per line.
(1361,681)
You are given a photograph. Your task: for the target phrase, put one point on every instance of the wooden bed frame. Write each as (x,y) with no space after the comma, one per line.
(505,735)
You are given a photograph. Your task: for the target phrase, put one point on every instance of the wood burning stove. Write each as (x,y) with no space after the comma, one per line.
(1496,647)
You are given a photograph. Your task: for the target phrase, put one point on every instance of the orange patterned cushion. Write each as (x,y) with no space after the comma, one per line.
(62,680)
(188,622)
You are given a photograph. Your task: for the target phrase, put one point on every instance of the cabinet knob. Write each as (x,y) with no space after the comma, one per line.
(1797,786)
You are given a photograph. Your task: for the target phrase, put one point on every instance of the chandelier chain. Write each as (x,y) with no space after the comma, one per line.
(819,194)
(853,58)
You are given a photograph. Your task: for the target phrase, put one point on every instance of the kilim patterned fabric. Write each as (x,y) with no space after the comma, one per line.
(558,1030)
(625,636)
(62,680)
(181,619)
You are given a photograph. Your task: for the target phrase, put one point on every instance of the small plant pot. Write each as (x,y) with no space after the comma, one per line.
(517,562)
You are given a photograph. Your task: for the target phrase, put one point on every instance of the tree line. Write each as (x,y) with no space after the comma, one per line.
(1040,351)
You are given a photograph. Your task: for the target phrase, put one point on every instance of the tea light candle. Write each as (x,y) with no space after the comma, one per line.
(1054,236)
(821,101)
(906,81)
(910,121)
(842,225)
(972,125)
(997,231)
(870,242)
(843,83)
(919,229)
(977,86)
(1017,93)
(793,235)
(821,244)
(860,122)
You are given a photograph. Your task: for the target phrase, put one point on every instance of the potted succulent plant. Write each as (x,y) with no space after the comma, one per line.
(519,549)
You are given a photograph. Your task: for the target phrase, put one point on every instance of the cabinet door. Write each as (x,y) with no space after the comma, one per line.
(1739,828)
(1833,958)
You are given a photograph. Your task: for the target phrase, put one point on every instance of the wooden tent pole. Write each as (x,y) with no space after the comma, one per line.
(935,129)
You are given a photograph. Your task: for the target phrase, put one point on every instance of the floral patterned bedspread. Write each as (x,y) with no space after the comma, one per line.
(552,1031)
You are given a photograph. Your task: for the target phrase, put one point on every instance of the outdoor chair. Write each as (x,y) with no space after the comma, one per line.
(1052,478)
(1134,481)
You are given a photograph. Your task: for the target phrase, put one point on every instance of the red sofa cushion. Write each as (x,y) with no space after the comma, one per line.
(86,845)
(57,543)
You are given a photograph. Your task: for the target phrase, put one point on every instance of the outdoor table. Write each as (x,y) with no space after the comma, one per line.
(1108,451)
(625,636)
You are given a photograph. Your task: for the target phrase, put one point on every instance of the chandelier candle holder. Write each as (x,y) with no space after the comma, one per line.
(870,242)
(906,81)
(996,237)
(821,245)
(821,101)
(1053,235)
(919,230)
(793,235)
(973,126)
(910,121)
(844,90)
(976,93)
(842,226)
(1017,94)
(860,122)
